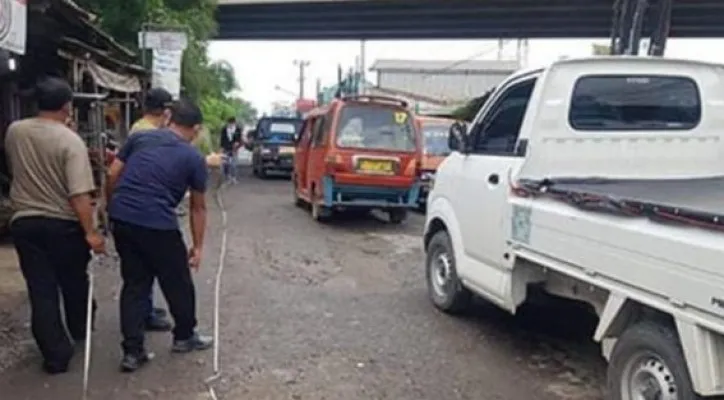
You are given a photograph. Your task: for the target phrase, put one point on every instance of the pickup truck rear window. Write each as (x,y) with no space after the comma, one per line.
(634,102)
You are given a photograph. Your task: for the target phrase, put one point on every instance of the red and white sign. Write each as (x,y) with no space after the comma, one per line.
(305,105)
(13,25)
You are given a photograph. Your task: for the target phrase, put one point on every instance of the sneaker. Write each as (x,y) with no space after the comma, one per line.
(195,343)
(132,362)
(55,368)
(158,324)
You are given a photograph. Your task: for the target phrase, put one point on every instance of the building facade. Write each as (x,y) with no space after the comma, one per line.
(447,81)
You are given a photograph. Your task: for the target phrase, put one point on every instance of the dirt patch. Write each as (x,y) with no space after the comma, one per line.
(15,341)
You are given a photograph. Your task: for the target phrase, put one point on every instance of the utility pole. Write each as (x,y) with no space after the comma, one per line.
(302,64)
(363,66)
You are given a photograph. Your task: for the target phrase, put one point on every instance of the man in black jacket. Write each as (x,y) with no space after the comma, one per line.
(231,141)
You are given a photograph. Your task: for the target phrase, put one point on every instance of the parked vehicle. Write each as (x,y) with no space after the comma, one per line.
(598,180)
(358,152)
(272,145)
(435,149)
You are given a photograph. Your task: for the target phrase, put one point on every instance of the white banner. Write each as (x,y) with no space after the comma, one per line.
(13,25)
(167,71)
(162,40)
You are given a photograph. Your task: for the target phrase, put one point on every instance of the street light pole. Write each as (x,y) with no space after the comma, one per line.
(302,64)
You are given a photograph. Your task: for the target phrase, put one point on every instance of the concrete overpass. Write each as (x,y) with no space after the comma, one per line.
(449,19)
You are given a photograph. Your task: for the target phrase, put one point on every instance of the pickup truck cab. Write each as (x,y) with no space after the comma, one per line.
(599,180)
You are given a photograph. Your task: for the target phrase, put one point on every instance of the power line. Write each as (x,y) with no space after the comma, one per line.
(472,57)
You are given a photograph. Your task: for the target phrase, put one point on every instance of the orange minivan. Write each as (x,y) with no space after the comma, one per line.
(435,132)
(361,152)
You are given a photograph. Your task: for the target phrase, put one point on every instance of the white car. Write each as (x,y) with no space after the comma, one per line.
(599,180)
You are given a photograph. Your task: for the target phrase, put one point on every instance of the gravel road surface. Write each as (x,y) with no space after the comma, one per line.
(335,311)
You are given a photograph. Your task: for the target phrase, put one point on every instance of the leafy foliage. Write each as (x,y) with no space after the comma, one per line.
(468,111)
(212,85)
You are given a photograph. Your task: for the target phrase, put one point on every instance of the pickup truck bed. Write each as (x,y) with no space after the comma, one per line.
(686,200)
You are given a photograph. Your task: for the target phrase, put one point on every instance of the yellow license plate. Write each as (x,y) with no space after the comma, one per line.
(376,167)
(286,150)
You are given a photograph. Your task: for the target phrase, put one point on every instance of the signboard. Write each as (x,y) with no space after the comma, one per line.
(13,25)
(305,105)
(162,40)
(167,71)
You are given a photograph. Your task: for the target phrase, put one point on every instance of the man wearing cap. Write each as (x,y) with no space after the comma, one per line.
(155,114)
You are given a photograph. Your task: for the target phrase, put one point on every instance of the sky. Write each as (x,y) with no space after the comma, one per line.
(261,66)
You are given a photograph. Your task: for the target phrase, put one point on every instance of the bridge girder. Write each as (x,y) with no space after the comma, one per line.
(452,19)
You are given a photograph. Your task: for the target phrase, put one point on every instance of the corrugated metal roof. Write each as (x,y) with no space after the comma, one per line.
(444,66)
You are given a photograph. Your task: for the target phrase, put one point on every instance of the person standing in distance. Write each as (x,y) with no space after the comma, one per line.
(53,221)
(146,183)
(155,114)
(231,141)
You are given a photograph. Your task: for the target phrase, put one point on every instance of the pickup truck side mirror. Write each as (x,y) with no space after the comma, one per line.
(456,136)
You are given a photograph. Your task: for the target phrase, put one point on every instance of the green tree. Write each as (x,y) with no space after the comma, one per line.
(471,108)
(212,85)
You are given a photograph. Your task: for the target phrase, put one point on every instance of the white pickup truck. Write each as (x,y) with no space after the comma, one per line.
(599,180)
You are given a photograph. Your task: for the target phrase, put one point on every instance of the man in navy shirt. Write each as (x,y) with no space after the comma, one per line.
(146,183)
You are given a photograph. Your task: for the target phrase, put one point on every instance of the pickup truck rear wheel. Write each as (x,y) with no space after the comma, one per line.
(443,285)
(648,363)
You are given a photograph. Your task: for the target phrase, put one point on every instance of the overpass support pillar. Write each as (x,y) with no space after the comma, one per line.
(628,24)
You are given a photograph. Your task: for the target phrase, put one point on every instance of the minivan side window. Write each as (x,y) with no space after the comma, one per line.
(497,133)
(318,132)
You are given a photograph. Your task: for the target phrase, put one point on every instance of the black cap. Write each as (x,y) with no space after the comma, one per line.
(157,99)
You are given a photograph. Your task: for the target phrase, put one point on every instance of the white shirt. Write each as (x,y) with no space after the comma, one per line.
(230,130)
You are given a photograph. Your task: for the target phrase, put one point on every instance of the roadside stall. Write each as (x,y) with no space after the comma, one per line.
(63,41)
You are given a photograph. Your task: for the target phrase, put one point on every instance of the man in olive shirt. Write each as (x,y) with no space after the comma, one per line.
(53,225)
(155,106)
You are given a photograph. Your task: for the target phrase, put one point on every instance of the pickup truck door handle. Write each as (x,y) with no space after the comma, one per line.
(493,179)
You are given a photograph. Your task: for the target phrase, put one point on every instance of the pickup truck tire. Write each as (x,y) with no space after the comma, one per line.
(446,291)
(648,360)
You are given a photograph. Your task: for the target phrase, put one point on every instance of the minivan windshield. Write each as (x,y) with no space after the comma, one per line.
(435,136)
(376,128)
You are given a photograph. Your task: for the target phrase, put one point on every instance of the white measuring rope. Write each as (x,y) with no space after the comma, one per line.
(217,294)
(95,259)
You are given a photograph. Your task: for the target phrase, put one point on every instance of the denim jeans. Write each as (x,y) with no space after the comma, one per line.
(229,166)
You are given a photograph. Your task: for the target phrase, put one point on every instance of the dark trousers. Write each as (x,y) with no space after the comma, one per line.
(147,254)
(54,258)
